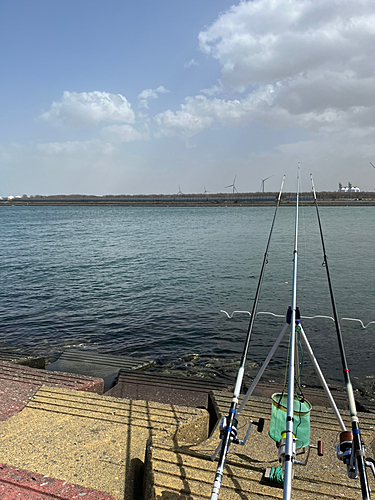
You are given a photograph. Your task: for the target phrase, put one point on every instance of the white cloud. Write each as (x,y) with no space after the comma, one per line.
(268,40)
(123,133)
(148,94)
(288,64)
(191,63)
(200,112)
(304,63)
(89,108)
(215,89)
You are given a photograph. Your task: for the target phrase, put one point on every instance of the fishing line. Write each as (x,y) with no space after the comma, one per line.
(276,475)
(297,381)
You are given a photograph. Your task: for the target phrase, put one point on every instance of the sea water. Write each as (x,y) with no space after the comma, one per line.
(151,281)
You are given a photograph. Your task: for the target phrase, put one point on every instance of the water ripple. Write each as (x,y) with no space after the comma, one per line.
(152,281)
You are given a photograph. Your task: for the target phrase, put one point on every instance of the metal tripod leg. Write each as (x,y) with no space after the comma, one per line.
(315,364)
(264,366)
(296,361)
(322,380)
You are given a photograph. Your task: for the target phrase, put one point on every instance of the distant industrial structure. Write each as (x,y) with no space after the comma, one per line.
(348,189)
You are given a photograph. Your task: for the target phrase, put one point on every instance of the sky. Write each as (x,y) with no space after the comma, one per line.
(148,97)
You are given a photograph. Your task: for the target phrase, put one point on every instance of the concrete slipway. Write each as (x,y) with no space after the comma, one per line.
(71,442)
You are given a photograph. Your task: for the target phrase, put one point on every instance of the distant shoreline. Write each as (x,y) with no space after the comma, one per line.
(351,203)
(195,200)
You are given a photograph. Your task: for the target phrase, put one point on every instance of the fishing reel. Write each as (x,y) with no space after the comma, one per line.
(346,453)
(281,446)
(276,474)
(234,432)
(281,449)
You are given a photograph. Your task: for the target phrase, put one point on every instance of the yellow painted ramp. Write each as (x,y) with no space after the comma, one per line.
(94,441)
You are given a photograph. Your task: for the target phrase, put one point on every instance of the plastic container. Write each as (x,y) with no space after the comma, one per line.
(301,425)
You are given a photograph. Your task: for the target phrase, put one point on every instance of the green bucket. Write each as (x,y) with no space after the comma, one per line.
(301,425)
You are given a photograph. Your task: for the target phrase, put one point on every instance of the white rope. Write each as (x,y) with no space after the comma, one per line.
(268,313)
(235,312)
(359,321)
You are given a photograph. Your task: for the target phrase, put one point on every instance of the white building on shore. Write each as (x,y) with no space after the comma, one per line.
(348,189)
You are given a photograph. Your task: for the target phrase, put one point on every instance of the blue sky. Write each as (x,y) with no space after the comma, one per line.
(143,97)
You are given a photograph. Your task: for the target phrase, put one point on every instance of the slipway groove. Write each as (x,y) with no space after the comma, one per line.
(32,375)
(106,408)
(321,417)
(204,474)
(126,362)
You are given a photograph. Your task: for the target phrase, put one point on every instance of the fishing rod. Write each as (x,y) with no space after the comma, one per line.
(290,444)
(228,427)
(351,449)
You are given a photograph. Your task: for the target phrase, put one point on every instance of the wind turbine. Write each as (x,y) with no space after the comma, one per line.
(372,164)
(263,181)
(205,190)
(179,190)
(233,185)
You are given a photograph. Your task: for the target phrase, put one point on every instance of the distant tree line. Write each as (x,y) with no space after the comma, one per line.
(322,195)
(188,199)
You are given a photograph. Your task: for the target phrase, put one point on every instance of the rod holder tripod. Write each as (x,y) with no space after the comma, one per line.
(282,446)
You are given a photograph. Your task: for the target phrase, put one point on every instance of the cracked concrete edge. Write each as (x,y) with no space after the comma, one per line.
(191,432)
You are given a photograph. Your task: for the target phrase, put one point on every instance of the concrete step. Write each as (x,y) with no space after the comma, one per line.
(95,441)
(23,485)
(19,383)
(315,395)
(149,415)
(189,471)
(321,417)
(105,366)
(173,472)
(187,391)
(23,359)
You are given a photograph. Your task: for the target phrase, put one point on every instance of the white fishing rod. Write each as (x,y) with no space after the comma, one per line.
(290,438)
(351,449)
(228,427)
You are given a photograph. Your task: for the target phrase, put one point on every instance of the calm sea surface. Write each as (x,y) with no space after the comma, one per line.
(152,281)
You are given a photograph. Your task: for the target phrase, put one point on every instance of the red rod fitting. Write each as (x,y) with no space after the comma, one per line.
(320,448)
